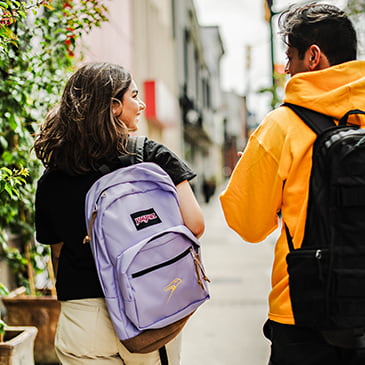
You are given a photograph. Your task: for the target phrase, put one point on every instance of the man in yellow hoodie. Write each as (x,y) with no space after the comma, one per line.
(273,173)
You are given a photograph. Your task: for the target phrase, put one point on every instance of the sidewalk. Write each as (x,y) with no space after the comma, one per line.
(227,330)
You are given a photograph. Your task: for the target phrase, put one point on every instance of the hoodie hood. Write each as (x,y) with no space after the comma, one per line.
(332,91)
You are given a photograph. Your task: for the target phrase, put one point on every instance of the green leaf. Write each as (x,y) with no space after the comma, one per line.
(9,190)
(2,327)
(3,289)
(5,170)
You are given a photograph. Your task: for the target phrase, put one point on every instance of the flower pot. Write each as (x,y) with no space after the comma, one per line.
(39,311)
(17,347)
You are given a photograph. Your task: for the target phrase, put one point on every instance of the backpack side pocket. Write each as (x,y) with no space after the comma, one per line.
(308,273)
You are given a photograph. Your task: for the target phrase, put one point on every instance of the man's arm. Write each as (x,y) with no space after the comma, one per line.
(253,196)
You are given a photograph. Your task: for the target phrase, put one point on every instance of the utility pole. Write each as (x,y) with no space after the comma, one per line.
(248,52)
(269,13)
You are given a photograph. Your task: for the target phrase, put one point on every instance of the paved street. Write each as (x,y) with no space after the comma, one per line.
(227,330)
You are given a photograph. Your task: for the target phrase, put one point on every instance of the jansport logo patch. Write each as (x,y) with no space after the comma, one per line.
(145,218)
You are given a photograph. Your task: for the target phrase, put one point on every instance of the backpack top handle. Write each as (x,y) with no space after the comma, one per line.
(343,120)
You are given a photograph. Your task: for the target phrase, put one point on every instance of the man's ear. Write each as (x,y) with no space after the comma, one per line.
(316,59)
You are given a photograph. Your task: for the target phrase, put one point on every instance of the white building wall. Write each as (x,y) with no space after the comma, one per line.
(154,55)
(113,40)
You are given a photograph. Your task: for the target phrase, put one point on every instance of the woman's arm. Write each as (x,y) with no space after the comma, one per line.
(55,253)
(190,209)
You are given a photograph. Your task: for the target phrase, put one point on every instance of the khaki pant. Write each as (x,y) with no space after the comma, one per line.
(85,335)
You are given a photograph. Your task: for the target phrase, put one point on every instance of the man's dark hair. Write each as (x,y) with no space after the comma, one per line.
(324,25)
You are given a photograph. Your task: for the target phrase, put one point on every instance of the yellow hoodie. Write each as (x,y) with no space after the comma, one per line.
(273,173)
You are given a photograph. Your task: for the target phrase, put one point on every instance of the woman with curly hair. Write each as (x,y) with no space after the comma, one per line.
(90,127)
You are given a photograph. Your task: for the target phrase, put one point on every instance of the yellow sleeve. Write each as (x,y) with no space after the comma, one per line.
(253,195)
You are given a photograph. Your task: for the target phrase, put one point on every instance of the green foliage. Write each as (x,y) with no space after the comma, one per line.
(356,9)
(10,181)
(3,291)
(37,43)
(2,329)
(356,6)
(10,12)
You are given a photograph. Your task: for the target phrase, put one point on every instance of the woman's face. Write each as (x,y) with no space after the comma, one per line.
(130,108)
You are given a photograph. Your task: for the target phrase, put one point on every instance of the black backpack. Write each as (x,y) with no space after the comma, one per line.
(327,273)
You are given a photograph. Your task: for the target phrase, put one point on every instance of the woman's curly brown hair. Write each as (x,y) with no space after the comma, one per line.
(82,131)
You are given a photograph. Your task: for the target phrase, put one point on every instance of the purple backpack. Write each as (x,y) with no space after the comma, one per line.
(147,260)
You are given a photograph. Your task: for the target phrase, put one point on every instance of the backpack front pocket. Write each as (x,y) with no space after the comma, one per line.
(163,281)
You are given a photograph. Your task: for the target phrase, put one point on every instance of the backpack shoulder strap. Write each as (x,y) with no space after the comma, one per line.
(135,147)
(318,122)
(288,238)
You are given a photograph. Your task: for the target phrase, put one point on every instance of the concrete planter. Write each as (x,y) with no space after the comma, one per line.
(17,347)
(41,312)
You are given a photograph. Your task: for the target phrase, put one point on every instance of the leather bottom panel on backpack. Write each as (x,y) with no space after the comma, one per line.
(152,340)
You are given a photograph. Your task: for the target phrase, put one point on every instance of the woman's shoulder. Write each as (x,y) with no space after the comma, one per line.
(157,152)
(175,166)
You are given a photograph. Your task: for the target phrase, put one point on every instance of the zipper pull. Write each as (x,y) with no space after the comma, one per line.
(318,256)
(87,238)
(199,269)
(197,257)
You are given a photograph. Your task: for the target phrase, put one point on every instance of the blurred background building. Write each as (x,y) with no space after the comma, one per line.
(176,64)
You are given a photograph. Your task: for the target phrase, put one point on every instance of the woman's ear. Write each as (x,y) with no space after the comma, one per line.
(117,107)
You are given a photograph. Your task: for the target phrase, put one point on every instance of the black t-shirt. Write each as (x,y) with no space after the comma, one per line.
(60,217)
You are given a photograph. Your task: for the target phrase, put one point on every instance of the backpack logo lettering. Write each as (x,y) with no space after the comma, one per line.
(145,218)
(172,286)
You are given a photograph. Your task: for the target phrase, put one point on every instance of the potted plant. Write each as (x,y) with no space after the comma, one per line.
(24,313)
(39,308)
(27,305)
(16,343)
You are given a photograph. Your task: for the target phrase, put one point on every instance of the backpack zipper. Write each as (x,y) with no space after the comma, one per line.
(199,269)
(166,263)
